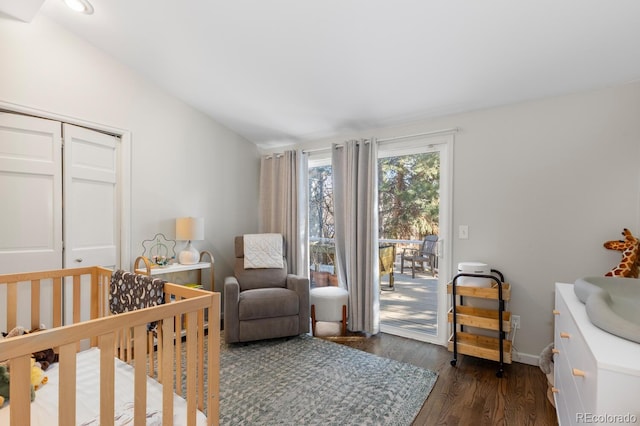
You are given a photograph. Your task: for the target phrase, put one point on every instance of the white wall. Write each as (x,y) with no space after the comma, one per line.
(183,163)
(542,185)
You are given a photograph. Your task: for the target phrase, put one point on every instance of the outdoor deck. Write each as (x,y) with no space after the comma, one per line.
(413,304)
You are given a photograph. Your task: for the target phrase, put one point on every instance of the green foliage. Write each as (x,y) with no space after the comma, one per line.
(409,195)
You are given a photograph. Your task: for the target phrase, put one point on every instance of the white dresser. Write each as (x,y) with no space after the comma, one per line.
(596,374)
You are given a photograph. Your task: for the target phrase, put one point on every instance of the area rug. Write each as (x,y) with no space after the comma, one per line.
(310,381)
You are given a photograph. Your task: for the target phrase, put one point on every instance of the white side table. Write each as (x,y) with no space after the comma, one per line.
(153,270)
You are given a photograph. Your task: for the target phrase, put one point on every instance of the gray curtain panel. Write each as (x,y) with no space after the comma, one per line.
(355,192)
(283,204)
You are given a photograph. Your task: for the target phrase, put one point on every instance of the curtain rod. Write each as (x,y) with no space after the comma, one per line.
(434,132)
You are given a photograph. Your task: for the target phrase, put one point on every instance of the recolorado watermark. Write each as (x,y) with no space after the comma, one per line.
(606,419)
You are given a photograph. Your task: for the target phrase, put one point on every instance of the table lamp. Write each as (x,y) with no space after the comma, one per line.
(189,229)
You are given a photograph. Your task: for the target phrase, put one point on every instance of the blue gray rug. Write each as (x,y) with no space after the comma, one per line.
(310,381)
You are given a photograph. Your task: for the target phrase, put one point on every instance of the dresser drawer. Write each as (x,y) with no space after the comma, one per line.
(580,366)
(567,389)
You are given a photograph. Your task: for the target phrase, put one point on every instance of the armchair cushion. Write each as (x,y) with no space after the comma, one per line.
(267,303)
(250,279)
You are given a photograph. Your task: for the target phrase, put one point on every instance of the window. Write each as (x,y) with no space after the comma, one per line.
(321,224)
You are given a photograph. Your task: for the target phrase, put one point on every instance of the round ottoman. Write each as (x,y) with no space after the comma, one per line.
(328,304)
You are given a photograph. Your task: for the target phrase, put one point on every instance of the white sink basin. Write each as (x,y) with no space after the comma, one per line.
(612,303)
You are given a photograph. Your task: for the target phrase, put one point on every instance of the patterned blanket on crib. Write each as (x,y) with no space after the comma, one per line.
(129,291)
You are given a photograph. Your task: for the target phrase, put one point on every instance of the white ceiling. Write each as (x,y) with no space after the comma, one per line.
(283,71)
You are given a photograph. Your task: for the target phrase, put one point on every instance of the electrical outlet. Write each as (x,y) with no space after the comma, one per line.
(515,321)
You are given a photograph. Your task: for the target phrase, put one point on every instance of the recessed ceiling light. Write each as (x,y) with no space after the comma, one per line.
(82,6)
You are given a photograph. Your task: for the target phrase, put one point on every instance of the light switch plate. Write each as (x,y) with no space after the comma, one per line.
(463,232)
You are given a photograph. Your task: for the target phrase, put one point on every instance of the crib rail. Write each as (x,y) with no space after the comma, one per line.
(34,281)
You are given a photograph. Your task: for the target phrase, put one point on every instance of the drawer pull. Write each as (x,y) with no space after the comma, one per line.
(554,390)
(555,351)
(565,335)
(556,312)
(577,373)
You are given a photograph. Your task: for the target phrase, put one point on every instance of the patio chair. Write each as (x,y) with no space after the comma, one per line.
(425,255)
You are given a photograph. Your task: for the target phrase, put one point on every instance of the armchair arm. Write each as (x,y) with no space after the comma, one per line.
(231,316)
(301,286)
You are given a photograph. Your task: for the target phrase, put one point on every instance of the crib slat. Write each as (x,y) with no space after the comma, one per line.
(130,345)
(107,379)
(35,304)
(57,302)
(76,303)
(12,305)
(167,370)
(160,352)
(120,349)
(20,389)
(151,353)
(178,364)
(67,385)
(192,348)
(200,330)
(140,375)
(95,294)
(76,299)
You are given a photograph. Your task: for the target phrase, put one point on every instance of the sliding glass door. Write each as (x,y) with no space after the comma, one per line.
(414,203)
(411,210)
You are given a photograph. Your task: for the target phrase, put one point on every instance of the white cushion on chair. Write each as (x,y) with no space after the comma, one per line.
(328,302)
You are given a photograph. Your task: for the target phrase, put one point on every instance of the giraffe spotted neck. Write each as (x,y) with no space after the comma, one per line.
(630,248)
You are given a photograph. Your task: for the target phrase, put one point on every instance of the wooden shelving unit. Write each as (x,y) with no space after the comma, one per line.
(150,269)
(495,348)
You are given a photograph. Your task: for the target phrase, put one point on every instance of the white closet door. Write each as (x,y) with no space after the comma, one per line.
(91,205)
(31,194)
(91,208)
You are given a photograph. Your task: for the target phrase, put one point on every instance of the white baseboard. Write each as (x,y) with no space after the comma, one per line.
(524,358)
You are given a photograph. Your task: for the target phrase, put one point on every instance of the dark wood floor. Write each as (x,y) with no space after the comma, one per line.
(469,393)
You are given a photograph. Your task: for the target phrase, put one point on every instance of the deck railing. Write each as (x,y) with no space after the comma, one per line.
(322,254)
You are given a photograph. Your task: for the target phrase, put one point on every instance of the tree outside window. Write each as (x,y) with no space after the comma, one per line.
(409,201)
(409,196)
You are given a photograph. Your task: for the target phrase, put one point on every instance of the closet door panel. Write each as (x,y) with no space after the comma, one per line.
(91,206)
(31,194)
(90,198)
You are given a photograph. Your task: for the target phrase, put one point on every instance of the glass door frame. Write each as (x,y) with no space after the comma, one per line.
(443,144)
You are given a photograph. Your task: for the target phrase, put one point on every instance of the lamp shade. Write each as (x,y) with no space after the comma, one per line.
(190,228)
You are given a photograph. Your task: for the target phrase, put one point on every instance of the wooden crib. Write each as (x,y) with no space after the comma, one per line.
(179,346)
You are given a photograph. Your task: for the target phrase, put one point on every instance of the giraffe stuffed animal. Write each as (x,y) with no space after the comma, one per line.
(630,248)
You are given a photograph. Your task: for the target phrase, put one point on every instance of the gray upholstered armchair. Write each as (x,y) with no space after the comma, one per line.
(264,303)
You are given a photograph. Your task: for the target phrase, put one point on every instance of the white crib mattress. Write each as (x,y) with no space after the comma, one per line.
(44,410)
